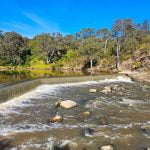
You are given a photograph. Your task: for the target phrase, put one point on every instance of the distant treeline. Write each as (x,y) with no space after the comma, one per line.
(89,46)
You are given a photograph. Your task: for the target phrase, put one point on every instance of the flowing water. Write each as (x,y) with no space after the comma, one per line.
(120,118)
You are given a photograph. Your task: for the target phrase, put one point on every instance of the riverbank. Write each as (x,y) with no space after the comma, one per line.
(138,75)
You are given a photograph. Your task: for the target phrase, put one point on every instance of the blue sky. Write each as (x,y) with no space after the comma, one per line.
(31,17)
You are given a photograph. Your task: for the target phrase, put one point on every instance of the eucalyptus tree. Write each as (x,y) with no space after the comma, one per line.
(45,46)
(117,34)
(85,33)
(144,31)
(40,47)
(1,33)
(129,41)
(105,34)
(146,26)
(120,43)
(13,49)
(1,55)
(58,44)
(91,50)
(70,42)
(50,47)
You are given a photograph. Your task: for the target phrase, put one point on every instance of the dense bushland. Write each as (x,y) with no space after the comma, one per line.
(85,49)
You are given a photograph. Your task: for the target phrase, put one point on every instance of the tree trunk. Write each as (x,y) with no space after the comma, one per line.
(47,60)
(118,57)
(105,46)
(91,64)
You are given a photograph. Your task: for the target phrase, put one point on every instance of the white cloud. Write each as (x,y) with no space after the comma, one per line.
(21,28)
(47,26)
(38,25)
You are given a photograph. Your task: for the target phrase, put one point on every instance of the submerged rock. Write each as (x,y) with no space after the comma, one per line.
(110,113)
(106,147)
(57,104)
(87,132)
(58,147)
(116,87)
(145,129)
(92,90)
(86,114)
(103,120)
(107,89)
(69,143)
(67,104)
(64,145)
(57,118)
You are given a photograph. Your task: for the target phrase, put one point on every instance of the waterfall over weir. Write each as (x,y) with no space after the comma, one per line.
(15,90)
(18,89)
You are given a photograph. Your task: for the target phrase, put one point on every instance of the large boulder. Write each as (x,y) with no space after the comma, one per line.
(106,147)
(68,104)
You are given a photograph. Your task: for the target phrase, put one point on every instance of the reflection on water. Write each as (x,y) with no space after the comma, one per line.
(121,118)
(13,76)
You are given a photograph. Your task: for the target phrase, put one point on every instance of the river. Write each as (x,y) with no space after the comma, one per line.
(120,118)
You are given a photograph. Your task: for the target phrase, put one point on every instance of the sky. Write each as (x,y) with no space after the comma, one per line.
(32,17)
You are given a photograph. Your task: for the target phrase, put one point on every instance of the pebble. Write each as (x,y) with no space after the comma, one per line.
(92,90)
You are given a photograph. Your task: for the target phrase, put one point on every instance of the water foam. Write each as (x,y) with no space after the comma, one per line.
(132,102)
(45,90)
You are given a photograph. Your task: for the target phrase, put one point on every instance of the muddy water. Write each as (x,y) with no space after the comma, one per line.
(121,118)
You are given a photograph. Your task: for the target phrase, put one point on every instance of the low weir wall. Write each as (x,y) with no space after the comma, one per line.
(18,89)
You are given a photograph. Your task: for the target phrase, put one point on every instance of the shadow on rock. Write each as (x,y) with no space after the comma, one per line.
(57,147)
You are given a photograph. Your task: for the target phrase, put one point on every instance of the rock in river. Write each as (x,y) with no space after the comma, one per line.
(145,129)
(116,87)
(57,118)
(88,132)
(67,104)
(107,89)
(106,147)
(57,104)
(63,145)
(86,114)
(103,120)
(93,90)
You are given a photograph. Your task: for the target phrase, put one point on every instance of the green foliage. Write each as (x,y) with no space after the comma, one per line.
(136,65)
(89,46)
(91,49)
(13,49)
(70,55)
